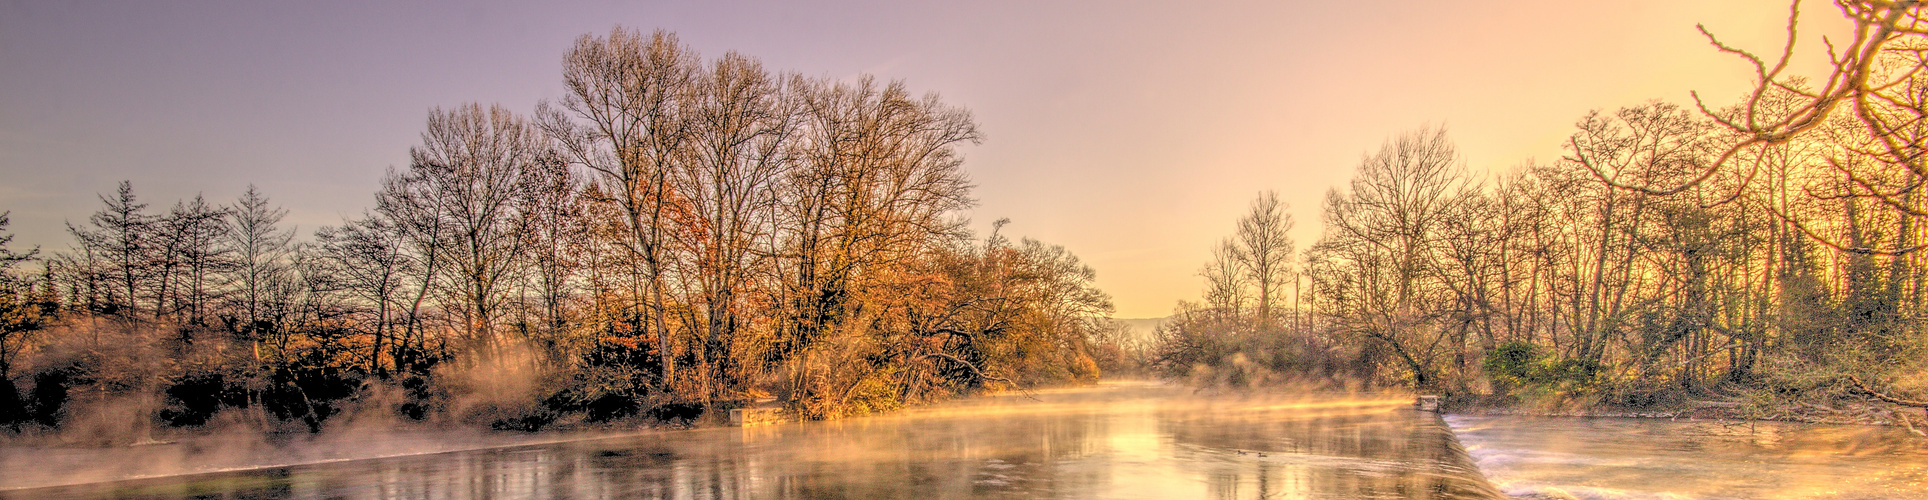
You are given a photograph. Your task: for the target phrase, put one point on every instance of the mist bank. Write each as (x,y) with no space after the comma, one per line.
(676,236)
(1109,440)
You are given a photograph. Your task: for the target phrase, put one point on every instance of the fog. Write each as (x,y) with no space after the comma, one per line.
(39,466)
(1613,458)
(1116,440)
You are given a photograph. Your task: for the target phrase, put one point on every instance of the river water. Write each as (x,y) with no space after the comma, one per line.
(1621,458)
(1117,440)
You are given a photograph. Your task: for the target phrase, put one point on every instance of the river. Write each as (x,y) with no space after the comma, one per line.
(1625,458)
(1117,440)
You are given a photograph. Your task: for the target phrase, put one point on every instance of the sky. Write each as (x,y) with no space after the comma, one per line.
(1134,133)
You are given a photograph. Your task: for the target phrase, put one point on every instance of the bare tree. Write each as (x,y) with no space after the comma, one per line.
(19,316)
(1381,247)
(426,234)
(1225,279)
(191,253)
(1264,245)
(876,183)
(557,230)
(471,167)
(8,257)
(740,140)
(261,251)
(1875,75)
(119,235)
(370,259)
(632,97)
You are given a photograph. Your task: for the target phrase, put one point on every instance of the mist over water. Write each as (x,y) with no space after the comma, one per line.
(40,466)
(1616,458)
(1117,440)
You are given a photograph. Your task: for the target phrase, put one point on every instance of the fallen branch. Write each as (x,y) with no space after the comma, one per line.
(1863,389)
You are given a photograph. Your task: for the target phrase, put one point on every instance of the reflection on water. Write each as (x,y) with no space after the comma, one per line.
(1537,457)
(1114,441)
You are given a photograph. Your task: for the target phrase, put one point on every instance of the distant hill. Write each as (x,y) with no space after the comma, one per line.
(1142,328)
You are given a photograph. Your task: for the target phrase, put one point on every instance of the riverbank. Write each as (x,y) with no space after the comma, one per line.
(1829,413)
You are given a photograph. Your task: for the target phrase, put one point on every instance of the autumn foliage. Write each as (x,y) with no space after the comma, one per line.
(675,235)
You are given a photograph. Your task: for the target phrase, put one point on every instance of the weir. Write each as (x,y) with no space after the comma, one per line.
(1118,440)
(1456,461)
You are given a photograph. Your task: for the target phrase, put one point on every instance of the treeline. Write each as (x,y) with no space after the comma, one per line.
(1766,251)
(677,234)
(1546,279)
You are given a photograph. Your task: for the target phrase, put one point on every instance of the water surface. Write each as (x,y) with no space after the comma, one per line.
(1613,458)
(1112,441)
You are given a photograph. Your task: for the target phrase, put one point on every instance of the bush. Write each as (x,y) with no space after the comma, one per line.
(1524,366)
(12,408)
(1515,362)
(48,400)
(194,399)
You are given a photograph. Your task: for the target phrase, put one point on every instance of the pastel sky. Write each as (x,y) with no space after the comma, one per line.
(1132,132)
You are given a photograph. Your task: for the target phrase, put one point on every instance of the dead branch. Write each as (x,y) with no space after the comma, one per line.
(1860,388)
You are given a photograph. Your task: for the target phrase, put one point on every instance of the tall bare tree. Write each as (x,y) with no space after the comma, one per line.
(370,259)
(1225,279)
(557,233)
(1381,245)
(19,316)
(472,166)
(631,97)
(191,253)
(261,252)
(119,235)
(743,123)
(877,180)
(1265,246)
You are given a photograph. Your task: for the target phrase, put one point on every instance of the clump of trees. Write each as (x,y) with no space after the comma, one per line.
(1242,332)
(1767,250)
(674,235)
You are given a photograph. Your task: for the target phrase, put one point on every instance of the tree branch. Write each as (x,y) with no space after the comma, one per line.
(1860,388)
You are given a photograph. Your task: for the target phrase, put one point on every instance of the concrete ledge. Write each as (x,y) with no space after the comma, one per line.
(744,417)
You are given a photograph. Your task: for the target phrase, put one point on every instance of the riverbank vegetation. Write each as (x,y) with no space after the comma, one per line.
(1765,254)
(677,234)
